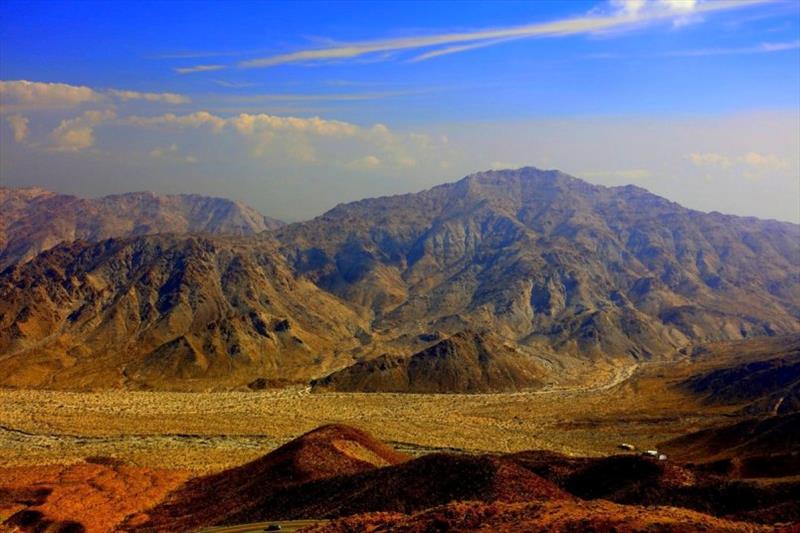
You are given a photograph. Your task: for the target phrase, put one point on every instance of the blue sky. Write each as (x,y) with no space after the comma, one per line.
(296,106)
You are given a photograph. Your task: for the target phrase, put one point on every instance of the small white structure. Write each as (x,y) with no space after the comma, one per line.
(662,457)
(626,446)
(651,453)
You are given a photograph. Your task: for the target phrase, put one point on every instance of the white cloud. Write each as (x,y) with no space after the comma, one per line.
(172,153)
(167,98)
(21,95)
(199,68)
(710,159)
(19,126)
(76,134)
(309,141)
(365,163)
(621,15)
(194,120)
(762,48)
(248,124)
(750,165)
(763,162)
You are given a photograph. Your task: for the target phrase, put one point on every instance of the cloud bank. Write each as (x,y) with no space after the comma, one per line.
(24,95)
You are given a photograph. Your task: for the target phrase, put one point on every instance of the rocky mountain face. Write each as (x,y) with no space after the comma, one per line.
(540,257)
(164,311)
(34,220)
(554,268)
(467,362)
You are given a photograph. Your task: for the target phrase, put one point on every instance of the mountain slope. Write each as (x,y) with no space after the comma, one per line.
(551,266)
(538,256)
(35,220)
(467,362)
(766,382)
(172,312)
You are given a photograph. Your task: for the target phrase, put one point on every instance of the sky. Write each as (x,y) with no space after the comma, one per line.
(294,107)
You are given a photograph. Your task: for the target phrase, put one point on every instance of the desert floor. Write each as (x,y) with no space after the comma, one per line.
(210,431)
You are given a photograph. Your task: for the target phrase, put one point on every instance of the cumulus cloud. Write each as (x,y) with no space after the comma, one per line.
(617,15)
(194,120)
(76,134)
(167,98)
(710,159)
(310,141)
(765,162)
(364,163)
(21,95)
(19,127)
(24,95)
(750,164)
(172,153)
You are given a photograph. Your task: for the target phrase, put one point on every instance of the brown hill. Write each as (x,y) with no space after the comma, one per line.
(35,220)
(554,515)
(248,490)
(467,362)
(164,311)
(760,447)
(430,480)
(252,493)
(539,256)
(644,481)
(766,382)
(93,497)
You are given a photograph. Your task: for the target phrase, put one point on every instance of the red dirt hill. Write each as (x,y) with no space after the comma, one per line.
(332,450)
(599,516)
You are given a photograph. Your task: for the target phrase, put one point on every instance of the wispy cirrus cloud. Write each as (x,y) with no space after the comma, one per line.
(613,16)
(761,48)
(199,68)
(168,98)
(318,97)
(234,84)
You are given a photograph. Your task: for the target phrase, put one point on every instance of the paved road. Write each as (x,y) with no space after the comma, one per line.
(286,525)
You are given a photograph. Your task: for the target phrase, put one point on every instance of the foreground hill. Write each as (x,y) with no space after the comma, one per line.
(164,311)
(338,471)
(538,256)
(467,362)
(556,515)
(35,220)
(325,452)
(758,447)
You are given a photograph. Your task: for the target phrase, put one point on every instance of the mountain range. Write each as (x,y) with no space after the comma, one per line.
(35,219)
(551,267)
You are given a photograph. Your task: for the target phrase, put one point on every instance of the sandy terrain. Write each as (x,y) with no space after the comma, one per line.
(211,431)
